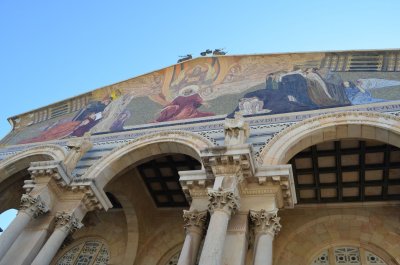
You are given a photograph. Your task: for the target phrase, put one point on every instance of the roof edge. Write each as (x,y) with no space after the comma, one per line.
(196,58)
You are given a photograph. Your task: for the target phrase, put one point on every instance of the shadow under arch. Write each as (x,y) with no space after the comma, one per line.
(142,148)
(320,233)
(333,126)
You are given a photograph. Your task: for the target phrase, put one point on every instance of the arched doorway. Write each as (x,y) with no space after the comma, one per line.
(142,176)
(347,178)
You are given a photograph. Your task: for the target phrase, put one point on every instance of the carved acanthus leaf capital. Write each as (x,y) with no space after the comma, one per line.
(223,200)
(67,221)
(265,222)
(33,206)
(194,219)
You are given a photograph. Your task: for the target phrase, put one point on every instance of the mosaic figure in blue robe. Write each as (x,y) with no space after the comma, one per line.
(357,95)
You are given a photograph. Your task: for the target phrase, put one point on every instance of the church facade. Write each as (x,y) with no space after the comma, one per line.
(275,159)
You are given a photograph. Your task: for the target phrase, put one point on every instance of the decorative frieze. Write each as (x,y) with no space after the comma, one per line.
(33,206)
(223,200)
(67,221)
(265,222)
(229,160)
(53,169)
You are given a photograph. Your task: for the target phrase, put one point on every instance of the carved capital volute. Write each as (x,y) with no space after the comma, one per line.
(227,201)
(33,206)
(195,221)
(67,222)
(264,222)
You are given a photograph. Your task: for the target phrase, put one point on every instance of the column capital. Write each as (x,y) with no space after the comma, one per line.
(227,201)
(265,222)
(194,220)
(67,222)
(33,206)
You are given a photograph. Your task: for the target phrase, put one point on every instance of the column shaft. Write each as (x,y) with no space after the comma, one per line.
(51,247)
(215,239)
(13,231)
(263,249)
(190,249)
(65,223)
(265,226)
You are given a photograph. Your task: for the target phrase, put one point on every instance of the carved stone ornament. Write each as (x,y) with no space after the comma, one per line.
(77,148)
(223,200)
(265,222)
(67,221)
(237,131)
(33,206)
(194,219)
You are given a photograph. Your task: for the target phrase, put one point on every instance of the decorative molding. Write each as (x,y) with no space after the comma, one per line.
(223,200)
(56,152)
(33,206)
(229,160)
(196,141)
(264,222)
(92,198)
(54,169)
(67,222)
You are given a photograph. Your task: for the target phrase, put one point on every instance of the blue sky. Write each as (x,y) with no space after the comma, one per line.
(52,50)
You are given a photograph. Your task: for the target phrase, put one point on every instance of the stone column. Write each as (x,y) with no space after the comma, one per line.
(65,223)
(223,203)
(265,226)
(30,208)
(194,226)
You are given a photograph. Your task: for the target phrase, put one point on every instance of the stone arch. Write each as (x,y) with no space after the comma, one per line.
(173,252)
(161,248)
(353,124)
(13,172)
(21,160)
(302,243)
(132,229)
(141,148)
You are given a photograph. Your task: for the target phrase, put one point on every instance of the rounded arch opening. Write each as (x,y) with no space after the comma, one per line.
(145,148)
(119,173)
(6,218)
(22,160)
(334,126)
(13,172)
